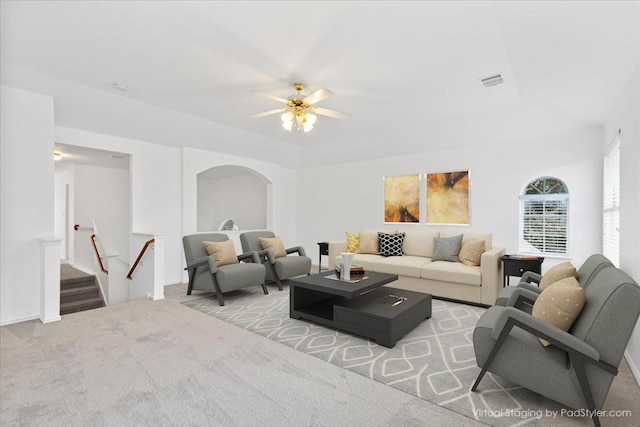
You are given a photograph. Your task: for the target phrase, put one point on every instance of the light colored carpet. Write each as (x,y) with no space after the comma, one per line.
(161,363)
(435,361)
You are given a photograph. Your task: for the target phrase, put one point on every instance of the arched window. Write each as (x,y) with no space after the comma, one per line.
(544,205)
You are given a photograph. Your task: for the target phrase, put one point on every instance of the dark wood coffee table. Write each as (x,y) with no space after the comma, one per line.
(365,308)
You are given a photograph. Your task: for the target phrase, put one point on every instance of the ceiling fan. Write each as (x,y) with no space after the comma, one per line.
(299,110)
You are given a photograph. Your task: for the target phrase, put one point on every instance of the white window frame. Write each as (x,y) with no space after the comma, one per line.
(547,242)
(611,203)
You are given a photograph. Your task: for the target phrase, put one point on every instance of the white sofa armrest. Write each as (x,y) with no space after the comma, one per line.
(336,248)
(491,271)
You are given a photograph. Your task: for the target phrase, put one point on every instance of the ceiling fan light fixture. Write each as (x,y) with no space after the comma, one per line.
(310,119)
(299,110)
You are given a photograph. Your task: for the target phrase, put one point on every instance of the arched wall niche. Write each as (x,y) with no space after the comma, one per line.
(231,192)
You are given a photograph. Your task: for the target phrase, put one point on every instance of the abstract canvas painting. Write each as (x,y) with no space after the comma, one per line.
(402,198)
(448,198)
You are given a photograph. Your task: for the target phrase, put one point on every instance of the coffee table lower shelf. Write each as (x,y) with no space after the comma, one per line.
(364,315)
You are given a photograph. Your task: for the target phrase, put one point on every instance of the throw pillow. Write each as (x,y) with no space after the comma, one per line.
(560,304)
(369,242)
(353,242)
(557,272)
(446,248)
(223,252)
(274,244)
(390,244)
(471,252)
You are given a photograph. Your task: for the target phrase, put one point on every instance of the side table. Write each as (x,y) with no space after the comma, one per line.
(324,250)
(516,265)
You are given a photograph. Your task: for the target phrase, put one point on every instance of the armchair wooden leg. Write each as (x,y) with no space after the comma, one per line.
(264,288)
(581,373)
(275,277)
(192,276)
(475,385)
(216,287)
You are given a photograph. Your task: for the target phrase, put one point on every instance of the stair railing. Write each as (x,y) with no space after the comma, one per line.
(140,255)
(95,248)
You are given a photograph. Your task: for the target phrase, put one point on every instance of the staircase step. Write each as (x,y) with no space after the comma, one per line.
(82,305)
(77,283)
(79,293)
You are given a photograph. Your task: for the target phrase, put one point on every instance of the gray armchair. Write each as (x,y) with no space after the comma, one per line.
(579,366)
(205,275)
(280,268)
(525,293)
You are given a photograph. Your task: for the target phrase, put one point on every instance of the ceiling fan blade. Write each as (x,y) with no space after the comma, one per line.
(332,113)
(318,96)
(268,113)
(267,95)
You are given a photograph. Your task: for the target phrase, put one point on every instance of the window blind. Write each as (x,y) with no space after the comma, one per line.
(543,224)
(611,204)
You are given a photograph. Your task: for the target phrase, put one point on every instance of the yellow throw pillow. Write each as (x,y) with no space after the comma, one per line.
(369,242)
(471,252)
(274,244)
(353,242)
(560,304)
(557,272)
(223,252)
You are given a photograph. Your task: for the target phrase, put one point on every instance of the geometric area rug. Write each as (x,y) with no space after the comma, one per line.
(435,361)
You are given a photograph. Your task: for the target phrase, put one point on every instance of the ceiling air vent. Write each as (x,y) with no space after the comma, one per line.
(492,81)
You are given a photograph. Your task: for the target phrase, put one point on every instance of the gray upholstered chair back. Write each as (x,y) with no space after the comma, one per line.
(590,269)
(250,242)
(194,248)
(610,313)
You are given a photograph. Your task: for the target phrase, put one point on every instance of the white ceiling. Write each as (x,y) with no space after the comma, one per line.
(408,72)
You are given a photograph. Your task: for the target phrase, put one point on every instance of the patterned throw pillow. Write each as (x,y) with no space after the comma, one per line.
(353,242)
(446,248)
(274,244)
(369,242)
(471,252)
(560,304)
(557,272)
(223,252)
(390,244)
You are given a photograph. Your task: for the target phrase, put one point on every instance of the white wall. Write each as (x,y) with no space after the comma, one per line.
(62,181)
(242,198)
(102,195)
(155,189)
(348,196)
(26,197)
(626,117)
(281,193)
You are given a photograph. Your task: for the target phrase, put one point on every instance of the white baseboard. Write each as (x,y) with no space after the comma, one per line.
(634,369)
(23,319)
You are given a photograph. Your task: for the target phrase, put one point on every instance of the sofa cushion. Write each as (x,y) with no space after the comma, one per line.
(419,242)
(559,304)
(369,242)
(454,272)
(471,252)
(446,248)
(487,237)
(364,260)
(223,252)
(353,242)
(401,265)
(390,244)
(557,272)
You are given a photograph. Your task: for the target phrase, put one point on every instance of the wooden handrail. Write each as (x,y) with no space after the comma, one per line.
(95,248)
(140,255)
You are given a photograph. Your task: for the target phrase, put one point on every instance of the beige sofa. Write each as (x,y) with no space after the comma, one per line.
(444,279)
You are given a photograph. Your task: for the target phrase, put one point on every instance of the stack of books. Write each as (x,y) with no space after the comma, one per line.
(356,270)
